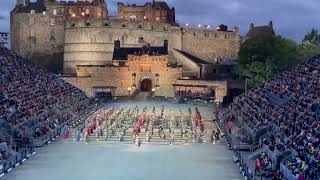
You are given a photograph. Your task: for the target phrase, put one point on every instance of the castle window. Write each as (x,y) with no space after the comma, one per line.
(157,80)
(52,21)
(206,34)
(124,25)
(152,27)
(165,28)
(73,25)
(54,12)
(106,24)
(31,20)
(32,33)
(140,26)
(88,24)
(32,11)
(87,11)
(133,78)
(195,34)
(141,40)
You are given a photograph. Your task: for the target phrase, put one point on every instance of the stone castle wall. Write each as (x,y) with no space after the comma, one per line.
(122,78)
(208,45)
(91,41)
(94,44)
(36,35)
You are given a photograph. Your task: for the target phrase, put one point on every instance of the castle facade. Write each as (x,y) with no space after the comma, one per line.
(82,36)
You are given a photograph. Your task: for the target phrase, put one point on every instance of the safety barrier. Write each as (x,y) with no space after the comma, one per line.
(286,172)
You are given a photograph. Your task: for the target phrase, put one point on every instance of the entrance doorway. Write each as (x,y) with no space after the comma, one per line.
(146,85)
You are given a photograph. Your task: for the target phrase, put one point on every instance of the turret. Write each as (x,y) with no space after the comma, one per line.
(251,25)
(270,24)
(235,29)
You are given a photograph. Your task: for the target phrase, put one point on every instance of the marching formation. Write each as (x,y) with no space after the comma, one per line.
(146,125)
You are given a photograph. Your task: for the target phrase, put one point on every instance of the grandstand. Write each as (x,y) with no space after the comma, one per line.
(34,105)
(280,120)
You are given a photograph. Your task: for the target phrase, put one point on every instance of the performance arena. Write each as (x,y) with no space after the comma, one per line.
(51,130)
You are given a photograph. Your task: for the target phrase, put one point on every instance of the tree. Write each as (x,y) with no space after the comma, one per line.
(262,57)
(306,51)
(313,37)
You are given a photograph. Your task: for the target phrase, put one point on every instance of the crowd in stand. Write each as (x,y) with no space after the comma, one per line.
(33,100)
(291,102)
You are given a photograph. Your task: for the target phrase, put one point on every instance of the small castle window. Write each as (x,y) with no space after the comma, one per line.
(31,20)
(87,11)
(32,11)
(133,78)
(141,40)
(157,80)
(195,34)
(52,21)
(88,24)
(124,25)
(165,28)
(152,27)
(206,34)
(73,25)
(106,24)
(140,26)
(32,33)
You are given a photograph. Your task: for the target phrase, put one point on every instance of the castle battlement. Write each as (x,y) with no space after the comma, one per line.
(120,24)
(150,26)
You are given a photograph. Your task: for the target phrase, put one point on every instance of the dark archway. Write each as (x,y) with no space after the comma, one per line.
(146,85)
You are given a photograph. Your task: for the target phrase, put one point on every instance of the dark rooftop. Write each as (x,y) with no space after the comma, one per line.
(123,52)
(161,5)
(192,58)
(260,31)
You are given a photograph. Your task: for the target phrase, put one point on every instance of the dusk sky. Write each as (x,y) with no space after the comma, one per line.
(292,18)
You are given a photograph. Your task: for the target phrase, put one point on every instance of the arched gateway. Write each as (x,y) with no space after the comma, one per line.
(146,85)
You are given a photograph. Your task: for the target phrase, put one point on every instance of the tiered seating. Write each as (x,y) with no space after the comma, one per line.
(30,95)
(290,100)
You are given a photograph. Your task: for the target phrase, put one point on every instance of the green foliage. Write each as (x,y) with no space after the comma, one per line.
(306,51)
(313,37)
(262,57)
